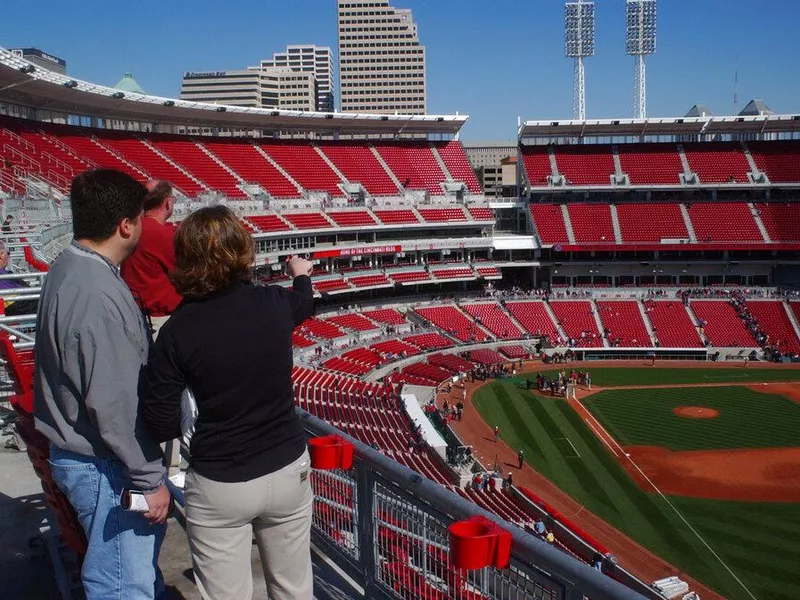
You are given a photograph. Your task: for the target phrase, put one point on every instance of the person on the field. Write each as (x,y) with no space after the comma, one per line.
(496,433)
(520,458)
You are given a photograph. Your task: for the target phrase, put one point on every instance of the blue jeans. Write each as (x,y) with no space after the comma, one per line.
(122,559)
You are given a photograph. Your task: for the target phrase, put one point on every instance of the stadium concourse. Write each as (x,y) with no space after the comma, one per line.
(682,250)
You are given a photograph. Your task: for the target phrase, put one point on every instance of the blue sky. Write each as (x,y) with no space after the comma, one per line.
(494,60)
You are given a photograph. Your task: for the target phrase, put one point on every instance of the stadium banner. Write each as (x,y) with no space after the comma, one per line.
(356,251)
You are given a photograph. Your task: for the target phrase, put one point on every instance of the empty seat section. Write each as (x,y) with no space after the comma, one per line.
(396,217)
(432,373)
(578,321)
(782,221)
(651,222)
(414,166)
(533,316)
(429,341)
(780,160)
(195,160)
(409,277)
(481,213)
(672,325)
(353,321)
(301,341)
(359,165)
(313,220)
(651,164)
(494,318)
(53,154)
(390,316)
(454,322)
(485,356)
(717,162)
(394,348)
(591,223)
(549,223)
(361,281)
(453,273)
(773,320)
(268,223)
(489,272)
(623,321)
(442,215)
(585,165)
(320,329)
(352,218)
(451,362)
(723,327)
(251,166)
(456,161)
(101,157)
(723,222)
(536,160)
(514,352)
(305,166)
(330,285)
(153,163)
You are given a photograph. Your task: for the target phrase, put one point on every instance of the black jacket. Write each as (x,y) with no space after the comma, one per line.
(235,351)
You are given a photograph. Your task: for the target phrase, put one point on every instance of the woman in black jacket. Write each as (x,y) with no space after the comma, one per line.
(230,341)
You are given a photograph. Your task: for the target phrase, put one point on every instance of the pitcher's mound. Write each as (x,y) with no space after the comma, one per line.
(695,412)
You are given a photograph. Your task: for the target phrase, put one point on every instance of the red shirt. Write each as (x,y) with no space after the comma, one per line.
(146,270)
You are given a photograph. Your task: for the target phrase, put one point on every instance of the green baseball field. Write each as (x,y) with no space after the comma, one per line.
(701,466)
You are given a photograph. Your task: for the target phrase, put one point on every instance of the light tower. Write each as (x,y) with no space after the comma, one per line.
(640,40)
(579,44)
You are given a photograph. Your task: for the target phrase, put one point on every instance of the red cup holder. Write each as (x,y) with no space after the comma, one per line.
(479,542)
(330,452)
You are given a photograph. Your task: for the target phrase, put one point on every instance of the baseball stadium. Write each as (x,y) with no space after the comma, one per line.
(600,364)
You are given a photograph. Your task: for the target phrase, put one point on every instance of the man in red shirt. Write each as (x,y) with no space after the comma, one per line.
(147,270)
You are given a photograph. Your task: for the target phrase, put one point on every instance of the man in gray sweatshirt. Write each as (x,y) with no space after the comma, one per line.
(91,346)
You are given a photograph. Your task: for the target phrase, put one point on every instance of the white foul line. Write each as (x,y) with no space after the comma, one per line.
(670,504)
(573,447)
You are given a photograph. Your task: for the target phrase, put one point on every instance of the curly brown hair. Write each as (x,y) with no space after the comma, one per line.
(213,252)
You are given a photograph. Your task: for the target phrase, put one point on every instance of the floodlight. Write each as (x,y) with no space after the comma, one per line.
(579,44)
(71,84)
(221,109)
(169,103)
(640,40)
(27,69)
(118,95)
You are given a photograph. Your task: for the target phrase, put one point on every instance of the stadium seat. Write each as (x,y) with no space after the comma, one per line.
(390,316)
(585,165)
(623,320)
(304,164)
(641,222)
(772,319)
(549,222)
(253,167)
(359,165)
(395,217)
(672,325)
(533,316)
(717,162)
(442,215)
(455,159)
(492,316)
(203,167)
(723,222)
(723,326)
(591,223)
(536,161)
(651,164)
(780,160)
(352,218)
(578,320)
(414,165)
(454,322)
(782,221)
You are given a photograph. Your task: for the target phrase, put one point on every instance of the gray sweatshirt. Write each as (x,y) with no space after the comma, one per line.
(91,347)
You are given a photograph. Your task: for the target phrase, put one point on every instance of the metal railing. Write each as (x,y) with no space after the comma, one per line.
(386,527)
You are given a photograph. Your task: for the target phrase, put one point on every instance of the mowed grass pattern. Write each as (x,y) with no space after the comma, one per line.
(748,536)
(747,419)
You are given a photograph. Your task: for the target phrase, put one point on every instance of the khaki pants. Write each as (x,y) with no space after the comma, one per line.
(222,518)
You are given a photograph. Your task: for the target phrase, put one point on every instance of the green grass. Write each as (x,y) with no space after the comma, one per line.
(747,419)
(611,377)
(759,541)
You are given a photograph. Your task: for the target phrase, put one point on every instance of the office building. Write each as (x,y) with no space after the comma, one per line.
(42,59)
(270,87)
(309,59)
(381,62)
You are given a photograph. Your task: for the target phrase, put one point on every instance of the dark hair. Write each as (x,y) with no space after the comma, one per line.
(101,199)
(157,195)
(213,252)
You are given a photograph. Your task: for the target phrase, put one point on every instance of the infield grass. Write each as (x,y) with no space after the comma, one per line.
(747,419)
(759,541)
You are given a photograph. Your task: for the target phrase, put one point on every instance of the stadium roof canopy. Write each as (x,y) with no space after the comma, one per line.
(701,125)
(25,84)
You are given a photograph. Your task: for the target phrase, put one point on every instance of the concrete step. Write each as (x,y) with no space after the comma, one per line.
(568,224)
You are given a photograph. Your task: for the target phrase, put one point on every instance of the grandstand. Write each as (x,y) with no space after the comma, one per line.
(420,277)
